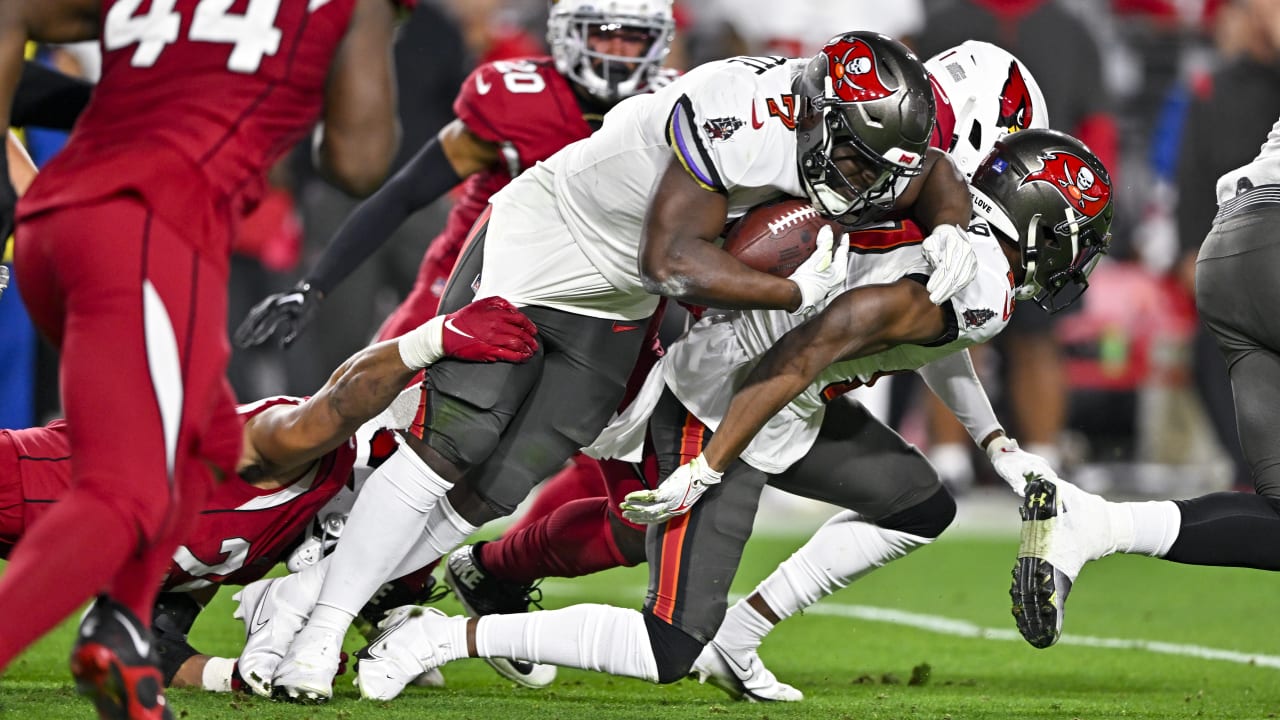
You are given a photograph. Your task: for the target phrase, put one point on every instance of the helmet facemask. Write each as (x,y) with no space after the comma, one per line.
(1059,259)
(603,75)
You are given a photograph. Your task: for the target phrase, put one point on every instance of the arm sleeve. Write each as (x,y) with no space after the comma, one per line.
(426,177)
(954,381)
(47,98)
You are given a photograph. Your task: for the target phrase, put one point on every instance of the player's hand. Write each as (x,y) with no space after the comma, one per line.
(950,253)
(825,269)
(1017,466)
(487,330)
(288,312)
(674,496)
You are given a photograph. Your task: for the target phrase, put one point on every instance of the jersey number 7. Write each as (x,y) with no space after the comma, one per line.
(253,33)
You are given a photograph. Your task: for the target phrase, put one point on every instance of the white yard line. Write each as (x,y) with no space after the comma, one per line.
(964,628)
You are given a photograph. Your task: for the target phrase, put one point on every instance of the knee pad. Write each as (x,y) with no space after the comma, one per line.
(674,650)
(172,618)
(927,518)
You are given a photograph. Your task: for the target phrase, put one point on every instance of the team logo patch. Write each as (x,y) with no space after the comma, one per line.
(855,72)
(977,317)
(1015,101)
(721,128)
(1083,189)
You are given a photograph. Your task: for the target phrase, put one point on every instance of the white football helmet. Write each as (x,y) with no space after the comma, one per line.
(609,77)
(983,93)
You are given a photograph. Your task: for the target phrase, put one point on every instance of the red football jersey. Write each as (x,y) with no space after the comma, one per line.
(197,99)
(242,531)
(526,103)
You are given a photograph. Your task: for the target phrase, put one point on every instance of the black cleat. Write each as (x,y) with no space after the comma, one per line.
(480,594)
(1039,589)
(115,664)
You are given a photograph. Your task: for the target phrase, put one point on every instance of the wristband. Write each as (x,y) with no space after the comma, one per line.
(423,345)
(217,674)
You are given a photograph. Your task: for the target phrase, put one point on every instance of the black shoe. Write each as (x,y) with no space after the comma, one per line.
(480,593)
(115,664)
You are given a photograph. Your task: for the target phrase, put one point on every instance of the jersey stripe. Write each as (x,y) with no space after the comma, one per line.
(682,136)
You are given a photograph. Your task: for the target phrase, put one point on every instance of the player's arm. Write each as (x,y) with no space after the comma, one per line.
(286,438)
(678,257)
(360,131)
(939,202)
(860,322)
(954,381)
(20,21)
(443,162)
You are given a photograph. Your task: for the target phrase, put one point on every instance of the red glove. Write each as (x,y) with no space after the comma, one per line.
(488,330)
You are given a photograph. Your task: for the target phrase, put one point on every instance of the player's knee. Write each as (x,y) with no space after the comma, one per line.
(468,449)
(674,650)
(172,619)
(927,518)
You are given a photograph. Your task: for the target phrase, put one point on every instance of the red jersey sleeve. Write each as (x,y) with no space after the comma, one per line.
(524,102)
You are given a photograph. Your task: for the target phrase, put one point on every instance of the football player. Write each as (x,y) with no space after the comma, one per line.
(1042,206)
(123,245)
(297,457)
(587,241)
(982,93)
(1064,527)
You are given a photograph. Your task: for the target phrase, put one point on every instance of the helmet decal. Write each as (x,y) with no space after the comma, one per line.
(1082,188)
(1015,101)
(855,72)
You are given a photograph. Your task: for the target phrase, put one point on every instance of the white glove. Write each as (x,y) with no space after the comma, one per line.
(674,496)
(1017,466)
(950,253)
(821,271)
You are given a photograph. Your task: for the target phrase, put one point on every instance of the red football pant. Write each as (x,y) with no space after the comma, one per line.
(140,319)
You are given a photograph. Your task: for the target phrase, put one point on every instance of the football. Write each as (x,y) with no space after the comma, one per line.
(776,237)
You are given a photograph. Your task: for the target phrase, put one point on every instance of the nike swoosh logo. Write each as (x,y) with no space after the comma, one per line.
(755,124)
(143,647)
(482,87)
(454,329)
(257,622)
(743,673)
(624,328)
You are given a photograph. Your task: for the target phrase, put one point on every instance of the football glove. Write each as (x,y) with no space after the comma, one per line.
(487,330)
(1017,466)
(950,253)
(288,312)
(674,496)
(822,271)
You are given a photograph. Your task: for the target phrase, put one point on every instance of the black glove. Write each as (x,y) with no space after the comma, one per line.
(8,196)
(289,312)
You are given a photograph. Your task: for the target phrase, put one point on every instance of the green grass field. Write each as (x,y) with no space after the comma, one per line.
(849,666)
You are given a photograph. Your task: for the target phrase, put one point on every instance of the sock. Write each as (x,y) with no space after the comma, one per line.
(1228,529)
(743,628)
(574,539)
(591,637)
(1154,527)
(445,530)
(844,549)
(329,619)
(391,511)
(50,573)
(581,479)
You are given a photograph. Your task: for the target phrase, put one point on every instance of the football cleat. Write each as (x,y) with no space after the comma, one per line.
(405,650)
(480,594)
(743,676)
(1063,527)
(272,617)
(115,664)
(391,596)
(306,674)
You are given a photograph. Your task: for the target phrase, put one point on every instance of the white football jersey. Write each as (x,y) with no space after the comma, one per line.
(730,123)
(706,367)
(1264,170)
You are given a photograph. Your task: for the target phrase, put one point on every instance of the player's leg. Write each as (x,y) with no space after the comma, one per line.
(895,504)
(693,559)
(1064,528)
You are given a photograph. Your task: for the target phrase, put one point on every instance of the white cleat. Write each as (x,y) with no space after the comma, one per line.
(743,676)
(432,678)
(404,651)
(307,672)
(272,618)
(1063,527)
